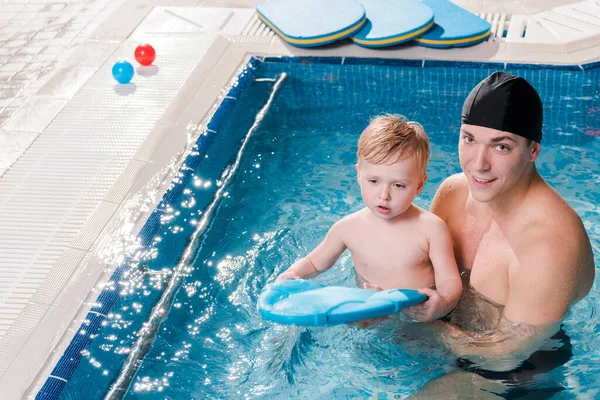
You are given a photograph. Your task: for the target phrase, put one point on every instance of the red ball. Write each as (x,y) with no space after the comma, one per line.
(145,54)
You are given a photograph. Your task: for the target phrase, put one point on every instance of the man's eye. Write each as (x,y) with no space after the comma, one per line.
(399,186)
(467,139)
(502,148)
(372,180)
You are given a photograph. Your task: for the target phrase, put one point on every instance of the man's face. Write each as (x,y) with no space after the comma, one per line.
(389,189)
(493,161)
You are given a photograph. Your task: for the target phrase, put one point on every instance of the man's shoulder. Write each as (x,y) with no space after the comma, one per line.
(454,187)
(450,196)
(456,182)
(552,226)
(550,215)
(553,245)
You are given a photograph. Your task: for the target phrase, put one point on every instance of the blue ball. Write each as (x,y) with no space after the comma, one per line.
(122,71)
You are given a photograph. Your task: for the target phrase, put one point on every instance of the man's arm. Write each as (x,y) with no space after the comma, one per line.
(321,258)
(542,287)
(503,349)
(556,268)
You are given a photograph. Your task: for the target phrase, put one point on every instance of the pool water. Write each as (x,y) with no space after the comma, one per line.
(297,178)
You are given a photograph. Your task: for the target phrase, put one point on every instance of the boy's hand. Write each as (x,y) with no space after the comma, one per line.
(370,286)
(367,323)
(288,275)
(431,309)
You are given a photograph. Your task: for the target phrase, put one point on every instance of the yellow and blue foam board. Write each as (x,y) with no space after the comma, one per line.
(311,23)
(307,303)
(454,26)
(390,22)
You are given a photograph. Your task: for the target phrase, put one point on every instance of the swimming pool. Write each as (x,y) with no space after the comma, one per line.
(295,178)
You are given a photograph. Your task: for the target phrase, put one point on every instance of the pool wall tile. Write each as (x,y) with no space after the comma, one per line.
(383,61)
(463,64)
(217,120)
(151,227)
(305,60)
(52,387)
(589,66)
(543,66)
(316,60)
(424,63)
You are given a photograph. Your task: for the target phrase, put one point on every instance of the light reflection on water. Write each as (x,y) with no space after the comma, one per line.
(214,344)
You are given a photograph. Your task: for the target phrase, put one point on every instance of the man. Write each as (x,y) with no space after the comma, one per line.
(524,249)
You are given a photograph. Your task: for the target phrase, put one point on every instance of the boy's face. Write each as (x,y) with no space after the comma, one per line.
(493,161)
(389,189)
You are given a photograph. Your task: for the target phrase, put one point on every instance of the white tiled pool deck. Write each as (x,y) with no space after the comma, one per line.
(83,160)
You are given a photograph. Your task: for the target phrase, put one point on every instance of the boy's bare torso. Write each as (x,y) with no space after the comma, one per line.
(390,254)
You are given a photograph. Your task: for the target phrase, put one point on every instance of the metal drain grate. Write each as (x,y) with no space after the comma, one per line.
(500,25)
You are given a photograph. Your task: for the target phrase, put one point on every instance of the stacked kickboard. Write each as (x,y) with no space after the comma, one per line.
(373,23)
(309,23)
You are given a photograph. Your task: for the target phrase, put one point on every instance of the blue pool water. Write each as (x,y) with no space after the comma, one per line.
(296,178)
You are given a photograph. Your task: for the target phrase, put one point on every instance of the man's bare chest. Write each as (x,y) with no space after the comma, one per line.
(484,249)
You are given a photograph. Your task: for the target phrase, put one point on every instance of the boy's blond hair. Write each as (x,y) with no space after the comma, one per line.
(391,138)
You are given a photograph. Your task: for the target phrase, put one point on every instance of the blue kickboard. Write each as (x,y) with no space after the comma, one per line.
(454,26)
(307,303)
(390,22)
(310,23)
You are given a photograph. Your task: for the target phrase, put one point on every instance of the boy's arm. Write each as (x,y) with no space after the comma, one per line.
(448,284)
(321,258)
(441,253)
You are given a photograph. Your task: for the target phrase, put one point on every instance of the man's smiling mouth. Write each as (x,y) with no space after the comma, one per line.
(483,182)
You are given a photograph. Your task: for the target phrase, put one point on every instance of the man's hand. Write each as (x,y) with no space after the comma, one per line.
(431,309)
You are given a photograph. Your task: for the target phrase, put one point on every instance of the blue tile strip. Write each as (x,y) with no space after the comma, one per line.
(151,227)
(382,61)
(592,65)
(425,63)
(462,64)
(543,66)
(305,60)
(66,366)
(69,361)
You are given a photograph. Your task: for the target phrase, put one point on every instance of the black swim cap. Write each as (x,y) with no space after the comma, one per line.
(505,102)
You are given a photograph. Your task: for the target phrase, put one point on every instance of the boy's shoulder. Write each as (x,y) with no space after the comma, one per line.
(355,217)
(429,218)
